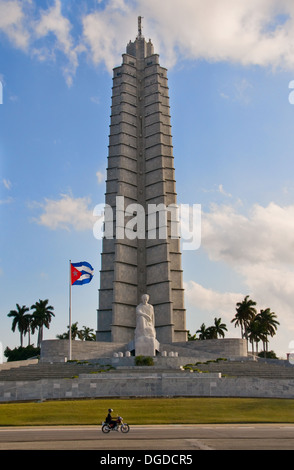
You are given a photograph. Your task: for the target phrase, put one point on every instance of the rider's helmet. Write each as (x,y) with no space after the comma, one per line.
(110,410)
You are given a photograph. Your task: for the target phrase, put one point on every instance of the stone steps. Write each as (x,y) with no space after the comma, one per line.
(47,371)
(248,369)
(69,370)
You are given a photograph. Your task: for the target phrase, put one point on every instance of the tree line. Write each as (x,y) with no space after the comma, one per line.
(40,317)
(85,334)
(29,320)
(28,323)
(255,326)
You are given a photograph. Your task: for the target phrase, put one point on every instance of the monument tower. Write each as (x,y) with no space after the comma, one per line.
(140,171)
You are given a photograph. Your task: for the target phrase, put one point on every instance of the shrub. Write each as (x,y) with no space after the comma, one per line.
(268,354)
(144,361)
(21,353)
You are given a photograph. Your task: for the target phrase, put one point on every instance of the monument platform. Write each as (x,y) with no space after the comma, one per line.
(87,379)
(119,354)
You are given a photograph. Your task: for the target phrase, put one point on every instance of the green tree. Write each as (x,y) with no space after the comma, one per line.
(211,333)
(21,353)
(214,331)
(42,316)
(203,332)
(75,332)
(219,328)
(19,320)
(245,313)
(255,333)
(87,334)
(29,327)
(268,325)
(191,337)
(268,354)
(62,336)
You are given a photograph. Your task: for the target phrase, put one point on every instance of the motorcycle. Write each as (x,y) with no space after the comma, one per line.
(118,425)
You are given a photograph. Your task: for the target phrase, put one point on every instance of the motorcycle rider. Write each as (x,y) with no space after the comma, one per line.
(112,423)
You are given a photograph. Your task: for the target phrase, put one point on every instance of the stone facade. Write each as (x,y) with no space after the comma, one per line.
(148,384)
(141,169)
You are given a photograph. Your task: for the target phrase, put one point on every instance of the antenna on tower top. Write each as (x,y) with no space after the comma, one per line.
(140,26)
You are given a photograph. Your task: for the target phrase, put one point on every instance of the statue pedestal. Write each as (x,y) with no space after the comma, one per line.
(146,346)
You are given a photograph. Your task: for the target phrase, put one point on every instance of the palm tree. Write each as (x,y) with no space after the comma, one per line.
(75,332)
(268,325)
(219,327)
(255,333)
(41,317)
(62,336)
(245,313)
(203,332)
(191,337)
(87,334)
(29,327)
(211,333)
(19,320)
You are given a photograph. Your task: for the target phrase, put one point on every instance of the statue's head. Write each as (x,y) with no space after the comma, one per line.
(145,298)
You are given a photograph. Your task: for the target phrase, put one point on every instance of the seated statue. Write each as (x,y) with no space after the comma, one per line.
(145,336)
(145,319)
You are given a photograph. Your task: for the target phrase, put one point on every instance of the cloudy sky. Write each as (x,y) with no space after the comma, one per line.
(231,70)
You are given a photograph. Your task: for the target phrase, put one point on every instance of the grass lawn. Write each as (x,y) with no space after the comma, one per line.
(149,411)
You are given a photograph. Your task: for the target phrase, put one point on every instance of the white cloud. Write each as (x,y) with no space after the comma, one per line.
(247,32)
(258,246)
(211,301)
(242,89)
(95,99)
(53,22)
(13,22)
(65,213)
(100,177)
(31,29)
(8,200)
(253,32)
(250,32)
(7,183)
(239,91)
(218,189)
(265,235)
(106,32)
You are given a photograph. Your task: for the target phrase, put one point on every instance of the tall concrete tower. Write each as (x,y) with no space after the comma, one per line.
(140,171)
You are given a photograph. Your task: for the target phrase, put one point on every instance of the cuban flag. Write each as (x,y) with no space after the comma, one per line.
(81,273)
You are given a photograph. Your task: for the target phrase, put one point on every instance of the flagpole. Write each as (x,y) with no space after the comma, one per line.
(69,334)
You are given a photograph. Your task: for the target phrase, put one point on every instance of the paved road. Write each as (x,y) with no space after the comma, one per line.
(176,437)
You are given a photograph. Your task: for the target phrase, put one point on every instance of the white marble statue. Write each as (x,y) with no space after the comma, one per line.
(145,319)
(145,336)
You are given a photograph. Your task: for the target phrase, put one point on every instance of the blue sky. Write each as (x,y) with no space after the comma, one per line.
(229,64)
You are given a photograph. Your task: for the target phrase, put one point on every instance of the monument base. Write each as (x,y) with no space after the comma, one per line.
(56,350)
(146,346)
